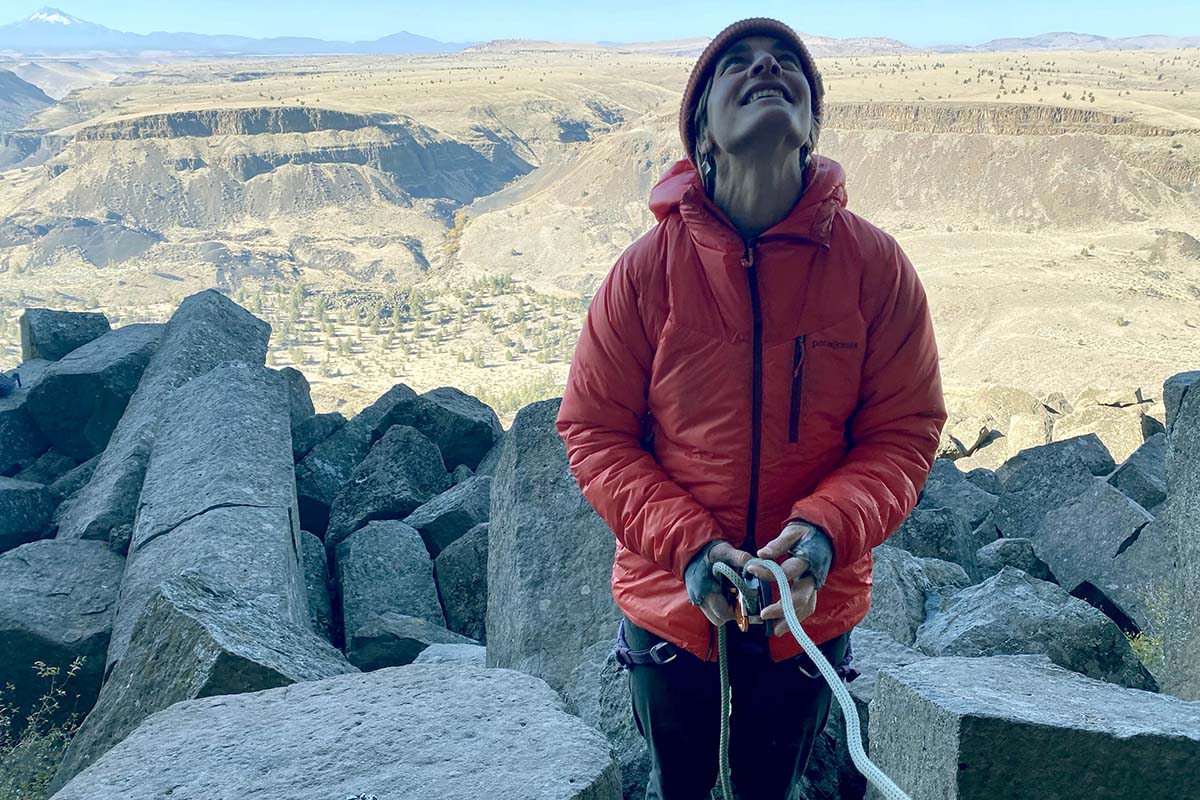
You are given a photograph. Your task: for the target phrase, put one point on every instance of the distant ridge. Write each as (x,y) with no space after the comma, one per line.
(52,31)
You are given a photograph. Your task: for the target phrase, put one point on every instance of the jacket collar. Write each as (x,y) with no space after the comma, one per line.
(811,218)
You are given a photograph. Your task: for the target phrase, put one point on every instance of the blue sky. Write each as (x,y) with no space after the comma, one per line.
(917,22)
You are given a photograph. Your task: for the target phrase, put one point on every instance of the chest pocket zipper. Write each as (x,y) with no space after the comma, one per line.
(797,388)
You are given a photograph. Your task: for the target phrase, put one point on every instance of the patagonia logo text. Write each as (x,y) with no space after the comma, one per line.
(833,344)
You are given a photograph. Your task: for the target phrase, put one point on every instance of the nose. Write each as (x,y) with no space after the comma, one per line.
(763,60)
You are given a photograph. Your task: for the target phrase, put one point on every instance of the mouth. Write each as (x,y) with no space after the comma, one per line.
(764,93)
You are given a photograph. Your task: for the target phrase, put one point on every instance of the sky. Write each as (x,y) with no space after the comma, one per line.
(917,22)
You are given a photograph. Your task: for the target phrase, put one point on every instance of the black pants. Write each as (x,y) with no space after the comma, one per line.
(776,713)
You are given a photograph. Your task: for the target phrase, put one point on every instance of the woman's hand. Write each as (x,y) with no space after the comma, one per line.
(704,590)
(802,583)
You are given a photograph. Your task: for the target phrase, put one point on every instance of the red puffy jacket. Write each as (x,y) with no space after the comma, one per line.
(721,388)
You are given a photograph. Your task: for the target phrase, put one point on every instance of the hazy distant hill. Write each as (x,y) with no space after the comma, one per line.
(1065,40)
(50,30)
(19,100)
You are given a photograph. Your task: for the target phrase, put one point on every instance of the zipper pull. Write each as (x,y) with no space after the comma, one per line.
(748,257)
(799,356)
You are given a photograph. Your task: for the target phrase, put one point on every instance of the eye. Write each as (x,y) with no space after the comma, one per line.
(730,61)
(788,58)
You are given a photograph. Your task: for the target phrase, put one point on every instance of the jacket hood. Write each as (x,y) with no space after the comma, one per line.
(811,217)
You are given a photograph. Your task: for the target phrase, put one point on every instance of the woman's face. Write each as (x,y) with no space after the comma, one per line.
(760,97)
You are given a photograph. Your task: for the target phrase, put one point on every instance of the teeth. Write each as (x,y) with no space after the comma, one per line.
(764,93)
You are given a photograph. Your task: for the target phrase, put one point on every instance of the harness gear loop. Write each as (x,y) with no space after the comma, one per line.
(749,595)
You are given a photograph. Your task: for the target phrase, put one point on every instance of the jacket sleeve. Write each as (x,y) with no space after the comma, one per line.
(600,422)
(894,431)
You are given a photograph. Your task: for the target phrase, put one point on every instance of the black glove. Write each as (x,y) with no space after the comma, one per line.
(698,576)
(817,549)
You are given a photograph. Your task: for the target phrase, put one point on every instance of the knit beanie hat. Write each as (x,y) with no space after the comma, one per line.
(754,26)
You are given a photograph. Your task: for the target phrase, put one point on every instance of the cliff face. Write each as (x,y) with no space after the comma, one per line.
(1006,119)
(233,122)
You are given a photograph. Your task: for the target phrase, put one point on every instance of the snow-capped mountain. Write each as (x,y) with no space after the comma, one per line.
(53,16)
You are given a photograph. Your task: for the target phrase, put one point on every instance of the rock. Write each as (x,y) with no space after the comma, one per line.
(75,478)
(323,472)
(452,513)
(1039,480)
(461,473)
(1180,628)
(313,430)
(21,440)
(985,479)
(218,496)
(56,606)
(1086,545)
(49,467)
(25,512)
(1029,430)
(1138,485)
(417,732)
(936,725)
(392,639)
(466,655)
(1174,388)
(384,567)
(300,405)
(460,572)
(599,695)
(403,471)
(1018,553)
(316,583)
(937,533)
(81,397)
(50,334)
(488,465)
(199,636)
(904,587)
(207,329)
(948,487)
(545,544)
(1012,613)
(462,427)
(1151,457)
(1119,427)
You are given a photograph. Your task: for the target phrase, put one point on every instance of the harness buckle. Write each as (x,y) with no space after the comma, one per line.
(658,648)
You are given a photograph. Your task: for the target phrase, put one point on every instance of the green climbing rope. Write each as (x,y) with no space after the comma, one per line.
(853,726)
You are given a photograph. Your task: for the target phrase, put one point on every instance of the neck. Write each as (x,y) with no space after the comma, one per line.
(757,192)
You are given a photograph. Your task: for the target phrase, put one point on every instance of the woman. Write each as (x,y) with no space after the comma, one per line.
(757,377)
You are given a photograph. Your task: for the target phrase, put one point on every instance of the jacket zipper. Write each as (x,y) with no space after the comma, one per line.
(755,401)
(797,382)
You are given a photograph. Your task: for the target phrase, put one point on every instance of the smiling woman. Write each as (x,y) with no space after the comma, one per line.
(757,376)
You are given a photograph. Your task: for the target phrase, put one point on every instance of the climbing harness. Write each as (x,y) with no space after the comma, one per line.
(748,603)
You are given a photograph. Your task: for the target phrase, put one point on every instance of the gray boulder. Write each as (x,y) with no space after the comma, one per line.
(906,588)
(465,655)
(1174,388)
(938,533)
(1180,627)
(417,732)
(50,334)
(1039,480)
(1018,553)
(545,544)
(1086,544)
(49,467)
(461,473)
(983,478)
(81,397)
(322,473)
(207,329)
(56,606)
(384,568)
(21,440)
(948,487)
(452,513)
(392,639)
(74,479)
(300,404)
(460,572)
(462,427)
(599,695)
(488,465)
(198,637)
(313,430)
(1013,614)
(935,728)
(403,471)
(1143,476)
(218,496)
(316,583)
(26,510)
